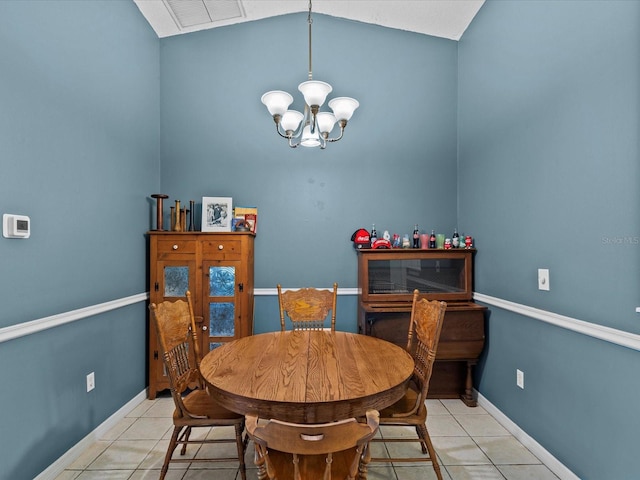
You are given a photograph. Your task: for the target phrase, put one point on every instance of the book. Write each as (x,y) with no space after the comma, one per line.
(247,214)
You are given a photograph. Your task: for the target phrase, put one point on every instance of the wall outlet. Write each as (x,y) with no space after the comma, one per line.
(543,279)
(520,378)
(91,381)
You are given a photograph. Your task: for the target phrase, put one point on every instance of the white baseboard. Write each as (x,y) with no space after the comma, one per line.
(57,467)
(534,447)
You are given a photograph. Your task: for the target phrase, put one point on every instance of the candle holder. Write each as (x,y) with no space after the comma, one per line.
(159,199)
(192,206)
(177,224)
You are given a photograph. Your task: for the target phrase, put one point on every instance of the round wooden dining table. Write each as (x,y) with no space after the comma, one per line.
(307,376)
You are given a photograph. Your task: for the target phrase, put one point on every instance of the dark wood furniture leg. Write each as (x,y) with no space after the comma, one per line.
(468,397)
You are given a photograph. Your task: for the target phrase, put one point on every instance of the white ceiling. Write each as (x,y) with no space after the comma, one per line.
(439,18)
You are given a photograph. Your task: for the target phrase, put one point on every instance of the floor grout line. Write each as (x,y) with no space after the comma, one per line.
(460,456)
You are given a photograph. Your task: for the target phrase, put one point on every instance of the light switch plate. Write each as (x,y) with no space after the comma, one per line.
(543,279)
(91,381)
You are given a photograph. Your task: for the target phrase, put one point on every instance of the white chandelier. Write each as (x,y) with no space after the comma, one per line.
(313,127)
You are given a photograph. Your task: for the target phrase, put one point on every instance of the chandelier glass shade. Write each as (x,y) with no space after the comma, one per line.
(313,127)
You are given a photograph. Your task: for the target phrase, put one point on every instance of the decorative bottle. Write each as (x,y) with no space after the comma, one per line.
(432,239)
(416,237)
(374,234)
(455,240)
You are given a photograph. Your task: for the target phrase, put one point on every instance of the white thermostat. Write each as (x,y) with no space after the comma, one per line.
(16,226)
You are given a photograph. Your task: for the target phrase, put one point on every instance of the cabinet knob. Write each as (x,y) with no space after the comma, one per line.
(204,328)
(175,247)
(220,247)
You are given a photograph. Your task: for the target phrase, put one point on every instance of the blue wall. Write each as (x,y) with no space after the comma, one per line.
(549,110)
(79,136)
(395,167)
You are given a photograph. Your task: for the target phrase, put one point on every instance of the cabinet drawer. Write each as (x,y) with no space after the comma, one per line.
(176,246)
(227,248)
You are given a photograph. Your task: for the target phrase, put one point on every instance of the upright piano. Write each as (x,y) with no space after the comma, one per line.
(386,281)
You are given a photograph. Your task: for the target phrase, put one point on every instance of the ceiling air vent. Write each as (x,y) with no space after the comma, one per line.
(189,13)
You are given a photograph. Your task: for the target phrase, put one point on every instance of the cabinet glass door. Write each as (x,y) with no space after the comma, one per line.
(176,281)
(175,278)
(221,302)
(429,275)
(392,275)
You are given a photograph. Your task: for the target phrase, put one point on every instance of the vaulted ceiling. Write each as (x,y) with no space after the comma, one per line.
(439,18)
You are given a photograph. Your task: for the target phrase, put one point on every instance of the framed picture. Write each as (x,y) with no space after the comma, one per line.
(217,213)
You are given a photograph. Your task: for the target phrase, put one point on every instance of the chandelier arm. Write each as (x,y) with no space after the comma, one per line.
(343,124)
(289,137)
(331,140)
(279,132)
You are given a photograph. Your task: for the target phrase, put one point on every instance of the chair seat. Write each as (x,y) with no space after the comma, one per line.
(405,404)
(200,404)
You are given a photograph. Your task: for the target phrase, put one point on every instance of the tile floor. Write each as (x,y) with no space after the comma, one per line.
(469,442)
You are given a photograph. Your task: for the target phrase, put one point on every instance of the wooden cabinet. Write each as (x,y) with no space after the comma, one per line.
(386,281)
(218,270)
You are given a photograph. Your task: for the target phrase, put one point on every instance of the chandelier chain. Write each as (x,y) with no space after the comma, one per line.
(310,21)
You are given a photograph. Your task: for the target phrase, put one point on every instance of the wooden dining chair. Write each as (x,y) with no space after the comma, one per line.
(307,308)
(290,451)
(175,327)
(427,318)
